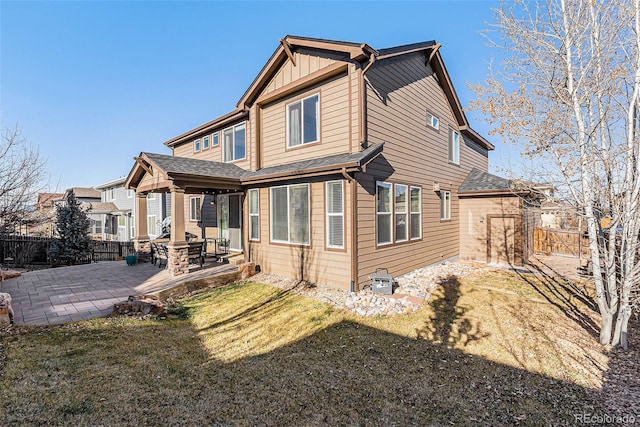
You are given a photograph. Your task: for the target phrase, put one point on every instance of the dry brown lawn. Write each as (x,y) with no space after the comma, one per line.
(493,348)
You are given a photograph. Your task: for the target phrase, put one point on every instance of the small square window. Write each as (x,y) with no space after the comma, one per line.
(433,121)
(196,145)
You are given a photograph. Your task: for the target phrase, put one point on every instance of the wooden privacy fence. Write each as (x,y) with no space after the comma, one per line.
(561,242)
(23,251)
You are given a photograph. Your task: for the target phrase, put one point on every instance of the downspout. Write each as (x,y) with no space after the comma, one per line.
(354,235)
(362,118)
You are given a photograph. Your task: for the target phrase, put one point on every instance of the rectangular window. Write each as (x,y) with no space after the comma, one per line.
(303,121)
(383,213)
(133,226)
(290,214)
(130,194)
(254,214)
(416,213)
(445,205)
(122,221)
(215,141)
(433,121)
(205,142)
(454,146)
(151,196)
(401,208)
(234,143)
(98,226)
(151,225)
(194,209)
(335,214)
(112,194)
(196,145)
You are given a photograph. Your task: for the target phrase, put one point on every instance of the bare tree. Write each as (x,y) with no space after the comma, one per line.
(569,89)
(22,172)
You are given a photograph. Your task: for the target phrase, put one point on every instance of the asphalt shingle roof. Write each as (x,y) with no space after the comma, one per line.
(211,169)
(478,180)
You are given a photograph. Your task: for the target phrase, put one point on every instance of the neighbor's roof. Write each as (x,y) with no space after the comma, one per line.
(85,192)
(47,199)
(114,183)
(100,207)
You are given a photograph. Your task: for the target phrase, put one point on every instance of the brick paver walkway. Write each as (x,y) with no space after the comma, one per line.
(81,292)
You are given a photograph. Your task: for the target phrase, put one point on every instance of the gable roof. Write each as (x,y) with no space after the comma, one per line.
(45,200)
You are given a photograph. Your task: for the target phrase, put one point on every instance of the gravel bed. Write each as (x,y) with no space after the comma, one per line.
(412,290)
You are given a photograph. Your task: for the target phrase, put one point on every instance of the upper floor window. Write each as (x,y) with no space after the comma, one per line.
(196,145)
(454,146)
(433,121)
(130,194)
(112,193)
(234,143)
(215,141)
(303,121)
(205,142)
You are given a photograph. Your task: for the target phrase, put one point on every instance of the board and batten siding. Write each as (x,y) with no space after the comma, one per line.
(315,262)
(399,93)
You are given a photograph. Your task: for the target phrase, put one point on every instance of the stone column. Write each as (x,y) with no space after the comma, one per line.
(178,256)
(141,242)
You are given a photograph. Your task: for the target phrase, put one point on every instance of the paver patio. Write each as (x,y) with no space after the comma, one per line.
(65,294)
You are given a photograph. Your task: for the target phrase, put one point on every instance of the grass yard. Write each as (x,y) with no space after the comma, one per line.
(493,348)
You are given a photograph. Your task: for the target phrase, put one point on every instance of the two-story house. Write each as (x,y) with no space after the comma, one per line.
(118,211)
(338,159)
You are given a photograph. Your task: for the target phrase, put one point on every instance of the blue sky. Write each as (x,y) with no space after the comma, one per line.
(91,84)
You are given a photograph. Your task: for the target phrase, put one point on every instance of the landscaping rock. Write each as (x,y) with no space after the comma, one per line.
(412,290)
(140,305)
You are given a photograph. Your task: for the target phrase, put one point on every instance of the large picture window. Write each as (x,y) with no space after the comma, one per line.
(398,213)
(234,143)
(303,121)
(254,214)
(454,146)
(335,214)
(194,209)
(290,214)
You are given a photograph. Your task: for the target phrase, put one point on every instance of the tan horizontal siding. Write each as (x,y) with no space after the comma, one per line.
(321,265)
(399,94)
(334,125)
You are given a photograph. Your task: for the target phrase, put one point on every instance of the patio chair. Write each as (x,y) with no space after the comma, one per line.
(160,254)
(196,252)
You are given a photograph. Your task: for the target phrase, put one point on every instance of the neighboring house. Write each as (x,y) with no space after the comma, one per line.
(118,211)
(338,159)
(87,196)
(45,214)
